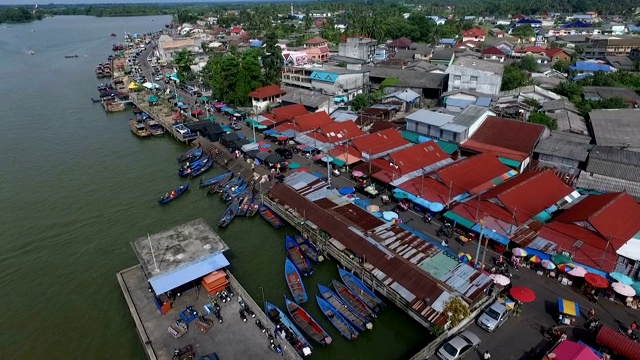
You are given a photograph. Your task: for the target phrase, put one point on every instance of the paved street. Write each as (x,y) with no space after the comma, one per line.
(518,338)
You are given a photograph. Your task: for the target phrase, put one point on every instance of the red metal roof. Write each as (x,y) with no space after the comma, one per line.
(267,92)
(313,121)
(271,120)
(417,156)
(473,174)
(474,32)
(613,215)
(379,142)
(236,30)
(481,148)
(553,52)
(315,41)
(344,149)
(618,343)
(342,131)
(509,134)
(493,51)
(286,126)
(429,189)
(288,112)
(532,49)
(402,42)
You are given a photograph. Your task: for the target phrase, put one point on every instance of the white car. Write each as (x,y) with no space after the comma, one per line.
(158,78)
(459,346)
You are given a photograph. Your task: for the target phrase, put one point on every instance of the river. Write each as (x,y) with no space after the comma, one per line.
(78,187)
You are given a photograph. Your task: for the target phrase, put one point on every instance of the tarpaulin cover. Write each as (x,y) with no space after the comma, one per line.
(568,307)
(618,343)
(182,275)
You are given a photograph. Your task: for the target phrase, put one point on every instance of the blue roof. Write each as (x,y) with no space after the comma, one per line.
(529,21)
(575,24)
(586,66)
(491,234)
(580,77)
(189,272)
(324,76)
(255,43)
(485,102)
(633,28)
(461,103)
(447,41)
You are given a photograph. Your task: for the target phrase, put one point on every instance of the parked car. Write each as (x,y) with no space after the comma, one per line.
(235,126)
(284,153)
(459,346)
(493,317)
(158,78)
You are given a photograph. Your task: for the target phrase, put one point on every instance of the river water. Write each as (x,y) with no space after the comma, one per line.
(78,187)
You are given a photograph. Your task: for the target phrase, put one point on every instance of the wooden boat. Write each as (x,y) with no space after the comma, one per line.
(271,217)
(361,290)
(201,169)
(230,184)
(138,129)
(195,167)
(253,208)
(96,100)
(169,197)
(191,155)
(291,332)
(229,214)
(245,204)
(339,322)
(235,192)
(352,300)
(215,180)
(345,310)
(309,250)
(153,127)
(294,281)
(136,111)
(295,254)
(70,56)
(308,324)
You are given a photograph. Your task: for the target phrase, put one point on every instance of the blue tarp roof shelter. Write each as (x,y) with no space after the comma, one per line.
(587,66)
(171,280)
(255,43)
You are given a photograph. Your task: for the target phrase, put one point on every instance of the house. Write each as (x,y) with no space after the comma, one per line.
(597,46)
(341,25)
(319,14)
(478,75)
(327,134)
(443,57)
(625,63)
(495,32)
(456,129)
(534,23)
(590,67)
(567,116)
(558,54)
(549,79)
(617,128)
(295,58)
(402,43)
(514,150)
(430,85)
(457,100)
(317,49)
(447,42)
(411,162)
(470,45)
(379,144)
(281,114)
(607,92)
(563,151)
(166,49)
(331,80)
(408,98)
(236,30)
(474,34)
(611,169)
(531,92)
(358,48)
(493,53)
(264,96)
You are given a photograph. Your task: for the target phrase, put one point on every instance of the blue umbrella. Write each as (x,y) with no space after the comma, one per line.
(436,207)
(269,132)
(326,159)
(318,175)
(347,190)
(389,215)
(363,203)
(621,278)
(265,146)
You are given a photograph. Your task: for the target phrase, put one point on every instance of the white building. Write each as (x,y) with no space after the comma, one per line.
(477,75)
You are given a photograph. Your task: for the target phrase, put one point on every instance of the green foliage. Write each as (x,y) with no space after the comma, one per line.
(232,77)
(184,16)
(571,90)
(517,74)
(527,63)
(183,60)
(272,60)
(615,79)
(586,106)
(359,102)
(456,310)
(543,119)
(18,15)
(562,66)
(523,32)
(436,330)
(389,82)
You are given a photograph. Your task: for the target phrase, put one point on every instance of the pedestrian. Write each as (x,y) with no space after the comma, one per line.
(486,355)
(591,314)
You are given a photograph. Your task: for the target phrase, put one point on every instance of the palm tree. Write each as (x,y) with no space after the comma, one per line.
(183,60)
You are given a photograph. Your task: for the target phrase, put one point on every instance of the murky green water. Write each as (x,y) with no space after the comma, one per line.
(77,187)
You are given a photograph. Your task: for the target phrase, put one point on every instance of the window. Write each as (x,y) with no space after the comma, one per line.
(472,88)
(456,88)
(474,78)
(457,77)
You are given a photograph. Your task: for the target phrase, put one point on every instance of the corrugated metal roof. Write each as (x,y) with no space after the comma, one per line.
(602,183)
(470,115)
(312,121)
(622,164)
(522,136)
(288,112)
(560,146)
(430,117)
(380,143)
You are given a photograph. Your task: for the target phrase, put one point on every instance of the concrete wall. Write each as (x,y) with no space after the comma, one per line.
(358,49)
(484,81)
(481,119)
(423,129)
(345,84)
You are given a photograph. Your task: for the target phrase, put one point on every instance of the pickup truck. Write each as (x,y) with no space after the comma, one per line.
(494,316)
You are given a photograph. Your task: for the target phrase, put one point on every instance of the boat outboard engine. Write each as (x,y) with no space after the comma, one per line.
(249,311)
(241,302)
(242,315)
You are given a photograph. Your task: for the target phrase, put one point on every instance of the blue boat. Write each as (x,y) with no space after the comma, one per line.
(234,192)
(309,250)
(271,217)
(307,323)
(294,282)
(201,169)
(361,290)
(229,214)
(189,168)
(215,180)
(285,326)
(245,204)
(340,323)
(253,208)
(231,183)
(170,196)
(191,155)
(295,255)
(345,310)
(352,300)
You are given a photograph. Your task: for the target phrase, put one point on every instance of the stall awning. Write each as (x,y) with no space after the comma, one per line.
(568,307)
(491,235)
(459,220)
(618,343)
(338,162)
(180,276)
(510,163)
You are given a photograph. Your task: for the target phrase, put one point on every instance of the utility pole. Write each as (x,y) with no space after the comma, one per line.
(605,251)
(479,243)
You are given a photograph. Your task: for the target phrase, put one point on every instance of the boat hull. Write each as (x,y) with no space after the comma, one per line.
(271,217)
(350,298)
(295,255)
(339,322)
(229,214)
(361,291)
(191,155)
(178,193)
(344,309)
(293,334)
(307,323)
(309,250)
(294,282)
(215,180)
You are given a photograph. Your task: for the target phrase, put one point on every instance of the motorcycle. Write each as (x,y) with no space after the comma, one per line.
(260,326)
(243,316)
(593,325)
(249,311)
(553,334)
(630,334)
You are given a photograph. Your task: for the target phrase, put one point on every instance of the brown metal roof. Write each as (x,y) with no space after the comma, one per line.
(358,217)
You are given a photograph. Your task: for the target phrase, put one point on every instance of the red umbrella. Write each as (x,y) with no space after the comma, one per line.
(522,294)
(303,170)
(597,281)
(262,142)
(264,150)
(281,138)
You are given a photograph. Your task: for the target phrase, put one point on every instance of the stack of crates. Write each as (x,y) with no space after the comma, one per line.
(215,282)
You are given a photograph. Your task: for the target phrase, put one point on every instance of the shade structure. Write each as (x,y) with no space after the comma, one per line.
(264,146)
(500,279)
(152,99)
(303,170)
(318,175)
(363,203)
(373,208)
(326,159)
(578,271)
(547,264)
(303,146)
(133,86)
(294,165)
(197,112)
(560,259)
(597,281)
(519,252)
(623,289)
(636,287)
(357,174)
(568,307)
(522,294)
(347,190)
(275,135)
(210,118)
(566,267)
(262,142)
(621,278)
(203,98)
(281,138)
(389,215)
(400,195)
(535,259)
(180,99)
(318,157)
(264,150)
(436,207)
(270,132)
(464,257)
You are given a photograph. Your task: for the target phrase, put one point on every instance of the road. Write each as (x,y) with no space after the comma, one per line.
(520,337)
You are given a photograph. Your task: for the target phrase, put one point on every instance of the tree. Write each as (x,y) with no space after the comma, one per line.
(513,77)
(272,60)
(571,90)
(523,32)
(543,119)
(359,102)
(456,310)
(528,63)
(183,60)
(562,66)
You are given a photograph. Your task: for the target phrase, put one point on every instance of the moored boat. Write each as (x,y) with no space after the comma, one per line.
(236,192)
(70,56)
(295,254)
(309,250)
(201,169)
(191,155)
(138,129)
(215,180)
(153,127)
(345,310)
(246,202)
(294,282)
(352,300)
(307,323)
(222,188)
(271,217)
(253,208)
(170,196)
(229,214)
(339,322)
(96,100)
(195,167)
(361,290)
(285,329)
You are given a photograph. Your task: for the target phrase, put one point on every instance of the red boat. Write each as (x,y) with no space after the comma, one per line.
(302,318)
(352,300)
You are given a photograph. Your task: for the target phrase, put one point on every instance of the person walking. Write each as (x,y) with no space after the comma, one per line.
(486,355)
(591,314)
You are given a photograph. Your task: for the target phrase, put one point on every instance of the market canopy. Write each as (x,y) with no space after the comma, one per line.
(152,99)
(568,307)
(150,85)
(133,85)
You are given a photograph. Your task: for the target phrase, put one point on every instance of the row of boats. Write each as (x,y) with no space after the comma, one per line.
(144,126)
(103,70)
